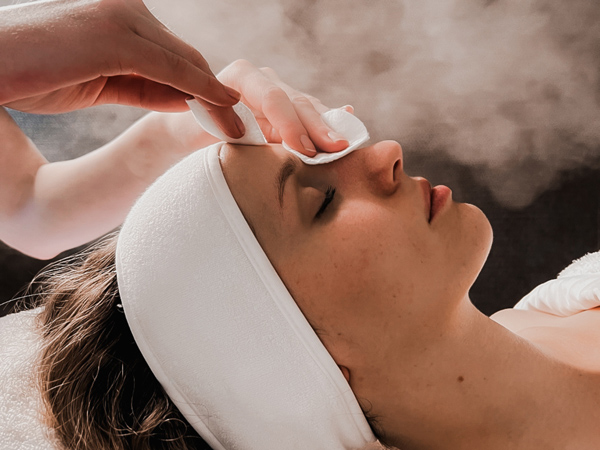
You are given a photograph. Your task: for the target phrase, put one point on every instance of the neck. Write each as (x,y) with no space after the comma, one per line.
(478,385)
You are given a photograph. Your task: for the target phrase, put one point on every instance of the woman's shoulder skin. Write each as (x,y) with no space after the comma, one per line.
(574,340)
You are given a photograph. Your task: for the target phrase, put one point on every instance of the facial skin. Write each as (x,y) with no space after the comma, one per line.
(372,275)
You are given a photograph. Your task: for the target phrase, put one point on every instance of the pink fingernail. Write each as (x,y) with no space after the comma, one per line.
(307,144)
(336,137)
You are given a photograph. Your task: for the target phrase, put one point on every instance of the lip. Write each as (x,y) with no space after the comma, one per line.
(440,196)
(426,187)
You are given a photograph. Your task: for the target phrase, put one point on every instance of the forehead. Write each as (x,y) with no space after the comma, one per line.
(245,162)
(251,174)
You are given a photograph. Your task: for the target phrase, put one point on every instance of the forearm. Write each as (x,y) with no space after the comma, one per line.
(33,38)
(72,202)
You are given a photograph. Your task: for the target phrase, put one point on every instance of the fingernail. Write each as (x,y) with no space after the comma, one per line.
(233,93)
(307,144)
(336,137)
(348,108)
(240,125)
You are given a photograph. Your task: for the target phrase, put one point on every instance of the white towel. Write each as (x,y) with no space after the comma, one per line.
(576,289)
(21,426)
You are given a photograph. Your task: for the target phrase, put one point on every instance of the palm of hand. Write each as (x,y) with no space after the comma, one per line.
(62,100)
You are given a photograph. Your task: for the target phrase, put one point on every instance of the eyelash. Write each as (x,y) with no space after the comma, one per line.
(329,194)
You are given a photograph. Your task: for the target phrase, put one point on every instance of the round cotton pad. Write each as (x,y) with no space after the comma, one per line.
(338,120)
(219,329)
(253,135)
(346,124)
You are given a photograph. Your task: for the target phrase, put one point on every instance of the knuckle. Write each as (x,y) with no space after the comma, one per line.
(174,62)
(275,94)
(267,71)
(301,100)
(240,64)
(236,69)
(313,99)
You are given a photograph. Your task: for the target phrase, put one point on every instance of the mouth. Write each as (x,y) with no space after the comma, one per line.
(436,198)
(440,196)
(427,192)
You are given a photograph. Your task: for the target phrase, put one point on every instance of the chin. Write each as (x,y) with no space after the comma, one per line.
(482,233)
(475,241)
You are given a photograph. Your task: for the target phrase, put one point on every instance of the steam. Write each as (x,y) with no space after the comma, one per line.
(511,87)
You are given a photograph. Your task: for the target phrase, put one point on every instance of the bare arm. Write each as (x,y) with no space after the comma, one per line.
(63,55)
(46,208)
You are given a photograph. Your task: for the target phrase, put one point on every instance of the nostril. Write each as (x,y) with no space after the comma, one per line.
(396,165)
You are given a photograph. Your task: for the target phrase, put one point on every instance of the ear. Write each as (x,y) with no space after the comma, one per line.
(346,373)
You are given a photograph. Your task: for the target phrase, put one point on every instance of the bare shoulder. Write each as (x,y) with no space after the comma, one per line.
(517,320)
(574,340)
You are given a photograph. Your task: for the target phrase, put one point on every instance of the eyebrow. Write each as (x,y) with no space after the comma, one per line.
(285,172)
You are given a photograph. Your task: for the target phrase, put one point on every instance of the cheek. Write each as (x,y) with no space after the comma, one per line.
(360,264)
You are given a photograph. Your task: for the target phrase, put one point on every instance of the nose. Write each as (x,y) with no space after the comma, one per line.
(382,165)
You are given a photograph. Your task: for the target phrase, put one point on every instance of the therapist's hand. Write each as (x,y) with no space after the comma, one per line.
(63,55)
(283,113)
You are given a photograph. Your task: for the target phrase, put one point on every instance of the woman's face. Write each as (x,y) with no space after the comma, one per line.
(366,265)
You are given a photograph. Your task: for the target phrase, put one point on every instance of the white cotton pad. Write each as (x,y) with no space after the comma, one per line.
(253,136)
(338,120)
(348,125)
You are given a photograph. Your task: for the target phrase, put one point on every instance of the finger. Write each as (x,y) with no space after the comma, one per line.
(225,118)
(271,134)
(140,92)
(153,30)
(274,77)
(270,102)
(324,137)
(309,109)
(280,112)
(158,64)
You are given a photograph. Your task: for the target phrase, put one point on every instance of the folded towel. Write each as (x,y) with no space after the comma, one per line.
(21,427)
(339,120)
(576,289)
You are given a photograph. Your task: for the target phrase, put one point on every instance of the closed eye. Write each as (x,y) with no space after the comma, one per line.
(329,194)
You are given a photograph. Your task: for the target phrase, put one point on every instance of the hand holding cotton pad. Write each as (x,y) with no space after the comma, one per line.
(338,120)
(253,136)
(347,125)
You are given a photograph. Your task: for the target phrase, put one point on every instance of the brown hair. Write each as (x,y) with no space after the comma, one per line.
(98,391)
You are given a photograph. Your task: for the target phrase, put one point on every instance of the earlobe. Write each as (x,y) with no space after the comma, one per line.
(346,373)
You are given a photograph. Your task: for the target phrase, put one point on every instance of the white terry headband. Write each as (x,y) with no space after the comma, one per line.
(338,120)
(219,329)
